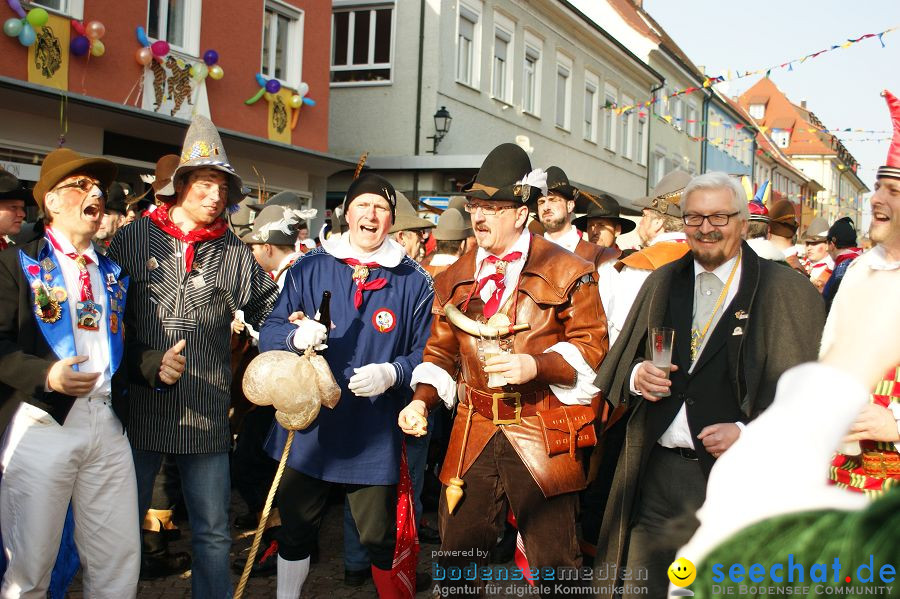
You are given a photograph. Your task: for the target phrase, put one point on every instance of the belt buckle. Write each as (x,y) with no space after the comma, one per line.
(517,397)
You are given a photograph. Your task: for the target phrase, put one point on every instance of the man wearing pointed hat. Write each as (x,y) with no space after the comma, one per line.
(380,313)
(661,232)
(555,211)
(189,273)
(542,301)
(64,366)
(818,262)
(409,229)
(732,341)
(14,195)
(870,460)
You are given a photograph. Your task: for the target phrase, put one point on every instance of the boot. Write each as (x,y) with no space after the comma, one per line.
(156,561)
(384,584)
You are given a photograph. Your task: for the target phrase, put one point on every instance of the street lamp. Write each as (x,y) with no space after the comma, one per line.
(442,121)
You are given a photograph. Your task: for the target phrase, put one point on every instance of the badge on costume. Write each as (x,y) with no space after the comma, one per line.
(152,263)
(48,264)
(110,280)
(113,323)
(384,320)
(198,281)
(360,272)
(741,315)
(46,307)
(737,331)
(88,315)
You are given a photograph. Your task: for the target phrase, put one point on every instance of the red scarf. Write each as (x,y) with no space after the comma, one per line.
(3,243)
(81,260)
(406,551)
(160,218)
(852,254)
(499,279)
(361,284)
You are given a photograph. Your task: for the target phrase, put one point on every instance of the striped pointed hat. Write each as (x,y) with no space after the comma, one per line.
(203,149)
(891,167)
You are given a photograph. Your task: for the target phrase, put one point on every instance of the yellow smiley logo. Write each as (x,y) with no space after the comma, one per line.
(682,572)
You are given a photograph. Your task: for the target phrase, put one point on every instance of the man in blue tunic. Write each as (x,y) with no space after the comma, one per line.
(381,314)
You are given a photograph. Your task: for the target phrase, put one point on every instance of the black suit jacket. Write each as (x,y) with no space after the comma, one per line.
(26,357)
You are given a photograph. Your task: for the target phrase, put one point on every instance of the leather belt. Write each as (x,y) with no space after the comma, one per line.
(687,454)
(510,407)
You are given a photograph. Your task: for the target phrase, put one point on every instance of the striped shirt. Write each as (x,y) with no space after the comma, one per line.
(166,304)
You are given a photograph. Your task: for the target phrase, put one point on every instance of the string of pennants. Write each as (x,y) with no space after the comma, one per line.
(789,65)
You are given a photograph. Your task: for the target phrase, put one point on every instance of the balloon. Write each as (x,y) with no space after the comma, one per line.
(16,8)
(199,71)
(97,48)
(273,86)
(77,26)
(260,80)
(303,89)
(143,56)
(256,97)
(269,97)
(37,17)
(95,30)
(142,37)
(296,101)
(160,48)
(309,101)
(12,27)
(27,36)
(210,57)
(216,72)
(80,45)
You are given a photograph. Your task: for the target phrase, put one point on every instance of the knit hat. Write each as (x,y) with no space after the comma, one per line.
(506,175)
(203,149)
(371,183)
(783,219)
(891,166)
(63,163)
(842,233)
(665,197)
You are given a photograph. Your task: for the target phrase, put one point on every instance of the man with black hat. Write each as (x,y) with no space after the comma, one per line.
(189,274)
(603,223)
(542,300)
(13,196)
(112,218)
(380,311)
(555,211)
(63,356)
(870,461)
(663,240)
(843,250)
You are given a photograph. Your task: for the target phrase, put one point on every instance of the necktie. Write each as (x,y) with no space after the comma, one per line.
(81,261)
(499,278)
(707,288)
(360,274)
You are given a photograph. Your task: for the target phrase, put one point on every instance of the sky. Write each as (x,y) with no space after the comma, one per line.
(841,87)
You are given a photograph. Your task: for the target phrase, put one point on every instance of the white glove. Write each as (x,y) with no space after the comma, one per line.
(310,333)
(372,379)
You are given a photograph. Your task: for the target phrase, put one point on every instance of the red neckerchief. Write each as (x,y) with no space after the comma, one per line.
(850,255)
(406,552)
(3,244)
(360,280)
(499,278)
(160,218)
(80,260)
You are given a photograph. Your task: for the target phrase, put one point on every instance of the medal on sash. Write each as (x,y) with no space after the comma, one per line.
(87,314)
(46,307)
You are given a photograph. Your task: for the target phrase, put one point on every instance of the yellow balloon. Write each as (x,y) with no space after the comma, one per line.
(296,101)
(97,48)
(216,72)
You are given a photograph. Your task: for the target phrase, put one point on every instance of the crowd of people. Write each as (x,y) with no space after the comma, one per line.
(514,344)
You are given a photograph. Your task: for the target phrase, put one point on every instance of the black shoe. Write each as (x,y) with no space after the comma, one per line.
(153,566)
(247,521)
(357,578)
(266,563)
(423,581)
(428,535)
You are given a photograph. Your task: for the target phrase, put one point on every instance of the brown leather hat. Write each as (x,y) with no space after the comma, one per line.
(63,163)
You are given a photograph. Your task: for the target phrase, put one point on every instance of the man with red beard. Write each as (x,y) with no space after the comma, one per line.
(732,342)
(189,273)
(870,462)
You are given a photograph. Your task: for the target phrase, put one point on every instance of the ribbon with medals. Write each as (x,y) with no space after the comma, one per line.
(360,274)
(87,311)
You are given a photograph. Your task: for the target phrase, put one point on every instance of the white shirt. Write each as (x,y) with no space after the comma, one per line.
(389,253)
(820,267)
(679,432)
(567,240)
(93,344)
(443,259)
(618,289)
(579,394)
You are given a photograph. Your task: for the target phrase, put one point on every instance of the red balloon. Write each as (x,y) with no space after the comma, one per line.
(160,48)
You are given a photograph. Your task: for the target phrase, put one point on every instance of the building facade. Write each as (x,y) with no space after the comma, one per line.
(115,107)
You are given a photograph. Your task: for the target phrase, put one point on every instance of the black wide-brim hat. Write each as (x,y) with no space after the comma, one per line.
(603,206)
(558,182)
(502,177)
(115,198)
(11,188)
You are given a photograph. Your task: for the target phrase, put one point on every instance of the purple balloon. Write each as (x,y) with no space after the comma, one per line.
(273,86)
(210,57)
(80,45)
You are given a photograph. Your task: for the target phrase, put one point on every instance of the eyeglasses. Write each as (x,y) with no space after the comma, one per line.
(83,185)
(486,209)
(716,220)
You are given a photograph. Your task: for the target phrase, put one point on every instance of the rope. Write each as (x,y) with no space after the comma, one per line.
(245,576)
